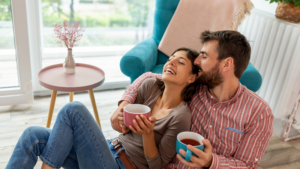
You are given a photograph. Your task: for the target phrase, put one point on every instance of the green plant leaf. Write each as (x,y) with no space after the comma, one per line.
(272,1)
(297,3)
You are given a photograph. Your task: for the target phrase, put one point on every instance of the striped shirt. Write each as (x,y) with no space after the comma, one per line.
(239,129)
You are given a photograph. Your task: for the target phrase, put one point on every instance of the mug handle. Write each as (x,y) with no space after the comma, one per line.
(188,155)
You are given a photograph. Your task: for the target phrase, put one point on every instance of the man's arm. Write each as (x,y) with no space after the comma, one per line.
(249,153)
(117,124)
(128,97)
(132,90)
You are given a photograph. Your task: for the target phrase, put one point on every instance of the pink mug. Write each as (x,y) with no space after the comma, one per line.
(132,110)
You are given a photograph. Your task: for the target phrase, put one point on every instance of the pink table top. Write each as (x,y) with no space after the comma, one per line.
(86,77)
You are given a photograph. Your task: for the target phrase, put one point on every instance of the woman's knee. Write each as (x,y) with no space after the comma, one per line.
(34,133)
(75,107)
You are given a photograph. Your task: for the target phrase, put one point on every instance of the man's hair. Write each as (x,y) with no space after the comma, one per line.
(189,91)
(231,44)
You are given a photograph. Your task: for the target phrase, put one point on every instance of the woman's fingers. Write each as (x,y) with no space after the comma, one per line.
(137,127)
(141,123)
(132,129)
(146,121)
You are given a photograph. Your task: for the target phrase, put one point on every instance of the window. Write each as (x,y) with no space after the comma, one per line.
(8,64)
(112,27)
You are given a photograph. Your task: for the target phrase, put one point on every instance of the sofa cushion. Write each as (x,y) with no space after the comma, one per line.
(158,69)
(194,16)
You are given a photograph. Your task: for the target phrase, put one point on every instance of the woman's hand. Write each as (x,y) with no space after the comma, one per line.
(142,125)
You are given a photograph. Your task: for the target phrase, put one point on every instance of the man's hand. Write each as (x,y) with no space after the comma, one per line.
(204,159)
(117,124)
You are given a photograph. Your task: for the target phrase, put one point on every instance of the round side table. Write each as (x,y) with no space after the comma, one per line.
(86,77)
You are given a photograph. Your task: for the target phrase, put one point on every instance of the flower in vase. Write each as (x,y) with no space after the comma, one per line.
(68,34)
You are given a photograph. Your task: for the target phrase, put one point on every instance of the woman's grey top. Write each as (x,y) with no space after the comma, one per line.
(165,130)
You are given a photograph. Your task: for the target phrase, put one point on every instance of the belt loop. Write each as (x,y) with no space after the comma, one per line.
(117,153)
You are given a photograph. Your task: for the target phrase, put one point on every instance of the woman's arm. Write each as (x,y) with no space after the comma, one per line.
(145,127)
(129,97)
(159,157)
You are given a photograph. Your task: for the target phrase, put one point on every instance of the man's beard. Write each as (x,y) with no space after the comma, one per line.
(212,78)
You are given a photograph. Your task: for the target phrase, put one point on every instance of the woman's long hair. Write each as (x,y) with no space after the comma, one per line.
(188,92)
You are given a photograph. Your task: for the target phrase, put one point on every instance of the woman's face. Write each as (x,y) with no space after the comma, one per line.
(178,69)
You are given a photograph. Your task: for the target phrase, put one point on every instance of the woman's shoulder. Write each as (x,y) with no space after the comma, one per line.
(182,111)
(181,117)
(148,83)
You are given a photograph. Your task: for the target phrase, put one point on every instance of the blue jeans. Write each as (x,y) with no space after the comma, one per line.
(75,141)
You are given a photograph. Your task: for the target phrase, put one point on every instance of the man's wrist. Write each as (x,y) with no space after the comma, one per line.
(123,103)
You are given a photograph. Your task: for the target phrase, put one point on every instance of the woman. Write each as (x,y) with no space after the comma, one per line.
(76,141)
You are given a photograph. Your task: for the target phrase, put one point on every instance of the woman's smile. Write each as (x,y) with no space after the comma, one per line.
(170,71)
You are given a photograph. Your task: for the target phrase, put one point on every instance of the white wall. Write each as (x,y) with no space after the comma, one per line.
(265,5)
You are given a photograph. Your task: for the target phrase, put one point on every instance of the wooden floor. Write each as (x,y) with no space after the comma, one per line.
(14,119)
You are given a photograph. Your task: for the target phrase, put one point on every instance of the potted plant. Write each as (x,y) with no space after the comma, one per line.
(288,10)
(68,35)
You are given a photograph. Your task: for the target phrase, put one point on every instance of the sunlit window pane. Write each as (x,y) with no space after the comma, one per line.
(8,64)
(112,27)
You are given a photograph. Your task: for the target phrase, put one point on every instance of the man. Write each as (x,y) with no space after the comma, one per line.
(236,123)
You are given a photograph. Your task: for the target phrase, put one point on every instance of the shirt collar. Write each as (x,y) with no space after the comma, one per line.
(205,92)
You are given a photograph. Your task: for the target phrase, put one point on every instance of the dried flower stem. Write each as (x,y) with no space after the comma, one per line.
(68,34)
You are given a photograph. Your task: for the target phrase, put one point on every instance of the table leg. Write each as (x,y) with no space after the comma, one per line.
(94,107)
(71,96)
(52,103)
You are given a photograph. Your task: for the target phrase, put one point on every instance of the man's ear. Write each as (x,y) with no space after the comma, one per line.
(228,64)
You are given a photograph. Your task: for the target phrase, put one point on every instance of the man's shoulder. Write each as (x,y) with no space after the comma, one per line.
(257,101)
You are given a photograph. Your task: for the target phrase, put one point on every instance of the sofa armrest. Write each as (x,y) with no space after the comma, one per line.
(251,78)
(140,59)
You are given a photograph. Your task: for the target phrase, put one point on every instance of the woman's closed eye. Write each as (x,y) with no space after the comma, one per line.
(181,63)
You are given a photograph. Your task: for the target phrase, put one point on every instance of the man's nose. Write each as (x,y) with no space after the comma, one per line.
(197,61)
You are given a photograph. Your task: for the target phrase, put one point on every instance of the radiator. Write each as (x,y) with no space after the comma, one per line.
(276,55)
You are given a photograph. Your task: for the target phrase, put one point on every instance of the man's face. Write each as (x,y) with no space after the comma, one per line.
(209,73)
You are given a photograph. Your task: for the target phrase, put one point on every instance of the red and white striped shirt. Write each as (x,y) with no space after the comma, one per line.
(239,129)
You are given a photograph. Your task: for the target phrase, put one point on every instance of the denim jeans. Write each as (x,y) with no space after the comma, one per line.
(75,141)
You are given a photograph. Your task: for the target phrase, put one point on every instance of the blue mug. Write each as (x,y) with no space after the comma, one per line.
(188,135)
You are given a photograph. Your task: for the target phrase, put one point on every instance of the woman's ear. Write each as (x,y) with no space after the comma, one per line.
(192,79)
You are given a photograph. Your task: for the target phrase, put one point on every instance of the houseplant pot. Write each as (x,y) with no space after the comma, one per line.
(288,12)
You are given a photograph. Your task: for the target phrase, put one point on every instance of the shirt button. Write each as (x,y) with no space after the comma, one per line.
(214,109)
(256,159)
(210,126)
(211,97)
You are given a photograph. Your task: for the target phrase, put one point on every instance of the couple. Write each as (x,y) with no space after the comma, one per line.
(236,123)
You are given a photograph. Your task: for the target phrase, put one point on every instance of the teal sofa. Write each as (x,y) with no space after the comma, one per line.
(145,57)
